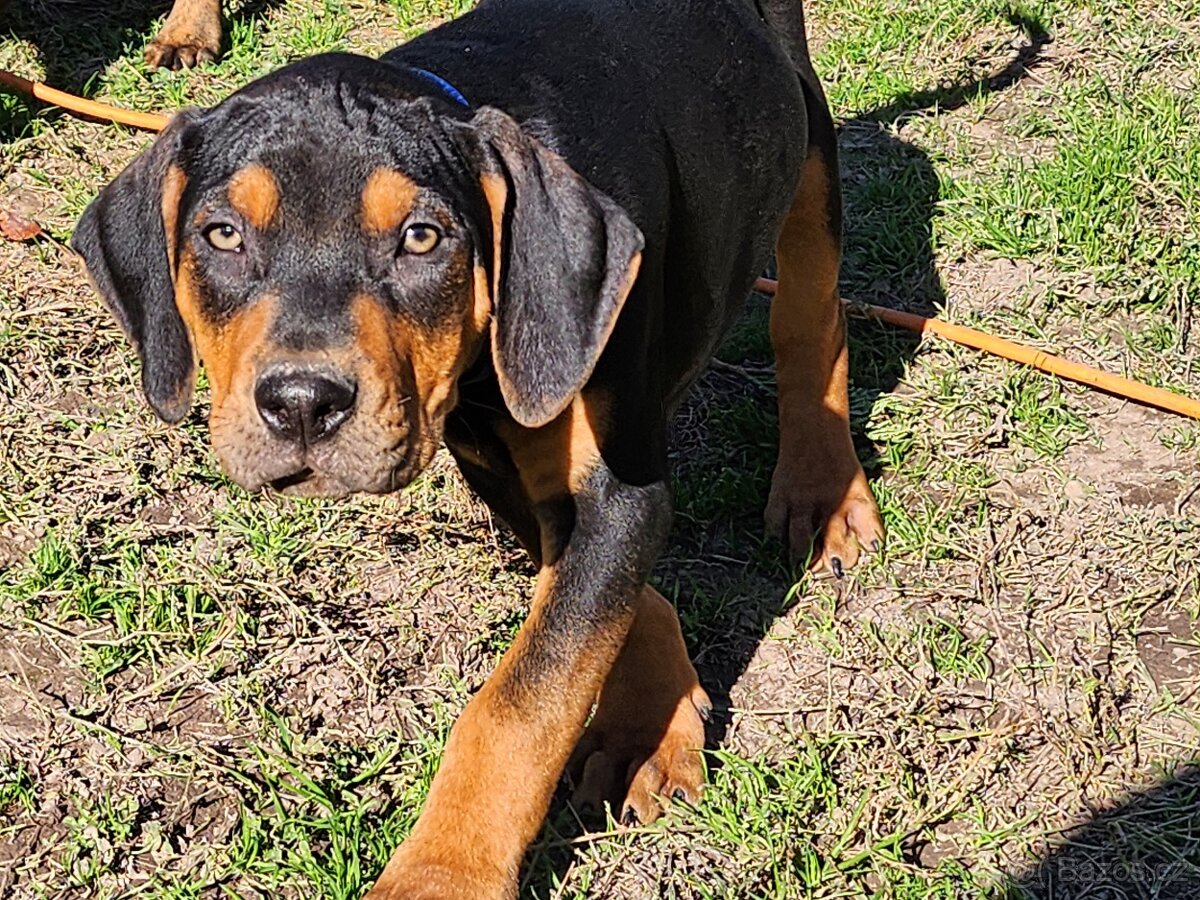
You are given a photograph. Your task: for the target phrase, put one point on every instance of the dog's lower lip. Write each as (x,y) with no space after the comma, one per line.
(288,481)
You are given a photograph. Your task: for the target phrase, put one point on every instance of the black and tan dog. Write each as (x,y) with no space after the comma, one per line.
(522,233)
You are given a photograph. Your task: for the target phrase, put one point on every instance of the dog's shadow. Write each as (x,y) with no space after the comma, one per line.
(729,584)
(76,39)
(891,193)
(1121,852)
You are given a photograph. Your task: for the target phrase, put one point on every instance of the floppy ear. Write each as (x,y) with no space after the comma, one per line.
(127,239)
(566,257)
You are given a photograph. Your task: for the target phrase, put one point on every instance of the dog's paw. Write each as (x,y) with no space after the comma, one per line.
(166,52)
(675,768)
(643,746)
(190,36)
(808,504)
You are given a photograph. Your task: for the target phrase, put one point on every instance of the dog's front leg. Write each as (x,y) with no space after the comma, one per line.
(507,751)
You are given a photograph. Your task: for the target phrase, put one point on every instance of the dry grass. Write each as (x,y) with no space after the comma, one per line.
(204,693)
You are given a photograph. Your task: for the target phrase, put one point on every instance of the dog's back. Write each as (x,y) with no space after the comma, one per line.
(686,112)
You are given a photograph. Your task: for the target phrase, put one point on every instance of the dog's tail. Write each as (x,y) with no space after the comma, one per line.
(786,19)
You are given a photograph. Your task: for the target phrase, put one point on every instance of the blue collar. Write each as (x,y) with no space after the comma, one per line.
(439,82)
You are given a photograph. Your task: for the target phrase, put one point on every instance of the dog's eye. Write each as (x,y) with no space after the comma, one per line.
(224,237)
(420,239)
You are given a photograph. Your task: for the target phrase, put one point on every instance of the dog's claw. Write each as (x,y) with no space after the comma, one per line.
(848,518)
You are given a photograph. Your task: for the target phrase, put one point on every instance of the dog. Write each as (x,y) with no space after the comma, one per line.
(522,235)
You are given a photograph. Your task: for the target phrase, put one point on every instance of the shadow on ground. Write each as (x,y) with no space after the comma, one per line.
(891,193)
(1122,854)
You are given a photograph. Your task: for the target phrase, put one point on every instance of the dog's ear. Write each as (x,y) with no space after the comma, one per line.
(565,259)
(127,238)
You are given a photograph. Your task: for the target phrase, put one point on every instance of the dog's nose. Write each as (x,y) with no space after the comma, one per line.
(304,407)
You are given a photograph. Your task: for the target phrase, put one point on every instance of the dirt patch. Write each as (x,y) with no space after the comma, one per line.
(32,670)
(1168,647)
(203,691)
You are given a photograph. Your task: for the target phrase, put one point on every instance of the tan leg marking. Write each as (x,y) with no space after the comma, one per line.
(818,481)
(642,748)
(555,459)
(190,36)
(502,762)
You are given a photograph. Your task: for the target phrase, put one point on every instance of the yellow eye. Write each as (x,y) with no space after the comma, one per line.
(224,237)
(420,239)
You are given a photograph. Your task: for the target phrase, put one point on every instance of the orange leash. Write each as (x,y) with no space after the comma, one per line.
(88,108)
(968,337)
(1039,359)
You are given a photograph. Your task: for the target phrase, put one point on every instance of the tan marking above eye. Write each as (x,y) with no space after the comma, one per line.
(387,200)
(254,193)
(224,237)
(419,239)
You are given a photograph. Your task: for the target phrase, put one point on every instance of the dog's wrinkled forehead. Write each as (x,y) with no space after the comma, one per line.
(336,207)
(320,129)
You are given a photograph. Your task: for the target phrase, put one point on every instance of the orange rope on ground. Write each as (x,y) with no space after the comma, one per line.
(89,108)
(968,337)
(1039,359)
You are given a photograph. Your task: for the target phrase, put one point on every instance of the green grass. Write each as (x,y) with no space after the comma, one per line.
(17,789)
(1114,197)
(205,693)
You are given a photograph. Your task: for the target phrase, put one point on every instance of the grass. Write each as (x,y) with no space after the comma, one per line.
(204,693)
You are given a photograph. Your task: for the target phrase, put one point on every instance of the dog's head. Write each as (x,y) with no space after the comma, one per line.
(337,253)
